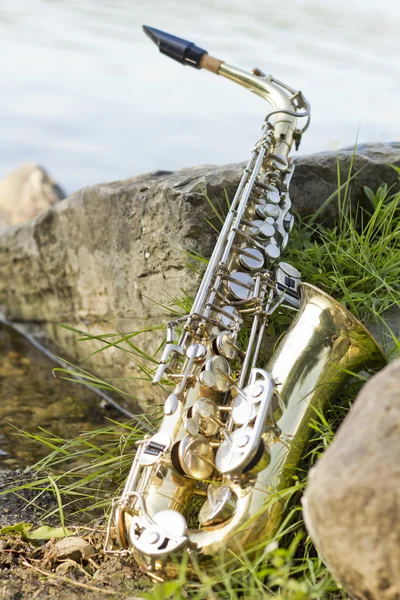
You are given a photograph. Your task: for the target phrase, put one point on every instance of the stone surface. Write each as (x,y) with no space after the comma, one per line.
(316,178)
(106,258)
(352,501)
(73,548)
(26,192)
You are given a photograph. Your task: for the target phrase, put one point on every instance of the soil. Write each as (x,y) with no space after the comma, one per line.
(31,570)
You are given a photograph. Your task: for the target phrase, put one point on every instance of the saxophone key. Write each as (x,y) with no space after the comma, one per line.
(206,380)
(191,426)
(266,231)
(288,279)
(243,412)
(267,210)
(279,162)
(288,222)
(273,196)
(162,534)
(242,454)
(245,407)
(251,259)
(198,350)
(228,315)
(219,367)
(272,251)
(272,210)
(260,209)
(255,226)
(154,448)
(171,404)
(193,456)
(224,346)
(205,412)
(240,285)
(219,506)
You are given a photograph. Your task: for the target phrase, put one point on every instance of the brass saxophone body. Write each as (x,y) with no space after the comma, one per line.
(210,480)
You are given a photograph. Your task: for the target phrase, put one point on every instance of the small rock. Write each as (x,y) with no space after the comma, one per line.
(74,548)
(66,567)
(26,192)
(351,504)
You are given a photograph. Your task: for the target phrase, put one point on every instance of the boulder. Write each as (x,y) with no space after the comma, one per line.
(351,504)
(26,192)
(110,257)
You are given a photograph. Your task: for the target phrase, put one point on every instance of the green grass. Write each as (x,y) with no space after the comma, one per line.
(358,262)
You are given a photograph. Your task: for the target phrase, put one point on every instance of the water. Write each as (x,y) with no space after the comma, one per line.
(31,397)
(86,94)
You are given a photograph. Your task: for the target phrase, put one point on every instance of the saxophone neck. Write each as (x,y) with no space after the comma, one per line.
(288,105)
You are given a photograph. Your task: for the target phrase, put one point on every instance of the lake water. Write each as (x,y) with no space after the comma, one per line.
(31,397)
(85,93)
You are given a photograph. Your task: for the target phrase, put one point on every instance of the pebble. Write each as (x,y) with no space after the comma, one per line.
(74,548)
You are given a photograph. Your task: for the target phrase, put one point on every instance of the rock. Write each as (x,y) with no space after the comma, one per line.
(68,567)
(73,548)
(352,500)
(315,177)
(108,257)
(26,192)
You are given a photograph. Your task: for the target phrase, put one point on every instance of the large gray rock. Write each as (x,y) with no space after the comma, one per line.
(316,176)
(352,501)
(106,258)
(26,192)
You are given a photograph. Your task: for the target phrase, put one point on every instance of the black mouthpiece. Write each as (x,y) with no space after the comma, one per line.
(181,50)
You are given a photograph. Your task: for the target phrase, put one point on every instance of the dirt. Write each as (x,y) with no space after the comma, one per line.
(34,570)
(22,505)
(29,571)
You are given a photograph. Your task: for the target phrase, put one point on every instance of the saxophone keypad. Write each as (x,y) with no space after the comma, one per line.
(228,315)
(273,196)
(271,210)
(240,285)
(196,456)
(199,350)
(251,259)
(171,404)
(219,367)
(224,347)
(272,251)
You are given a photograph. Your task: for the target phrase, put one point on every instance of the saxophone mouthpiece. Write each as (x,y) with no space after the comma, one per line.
(181,50)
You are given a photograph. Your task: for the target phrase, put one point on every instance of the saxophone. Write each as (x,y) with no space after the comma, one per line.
(208,482)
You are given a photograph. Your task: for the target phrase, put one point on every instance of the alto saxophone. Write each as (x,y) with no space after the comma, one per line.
(233,430)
